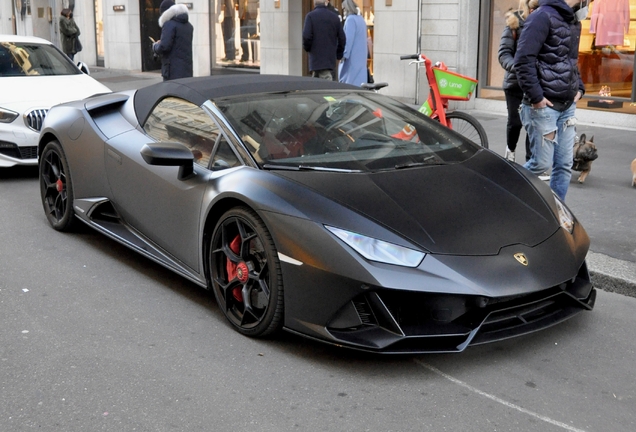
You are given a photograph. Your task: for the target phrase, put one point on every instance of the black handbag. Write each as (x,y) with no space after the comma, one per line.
(77,45)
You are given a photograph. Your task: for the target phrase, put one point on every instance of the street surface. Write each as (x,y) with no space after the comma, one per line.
(97,338)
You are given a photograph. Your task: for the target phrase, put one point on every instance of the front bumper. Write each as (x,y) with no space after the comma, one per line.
(410,322)
(18,146)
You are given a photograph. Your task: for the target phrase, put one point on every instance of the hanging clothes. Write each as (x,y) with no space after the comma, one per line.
(610,21)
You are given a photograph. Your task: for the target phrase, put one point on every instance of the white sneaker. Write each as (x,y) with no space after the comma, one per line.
(509,155)
(544,176)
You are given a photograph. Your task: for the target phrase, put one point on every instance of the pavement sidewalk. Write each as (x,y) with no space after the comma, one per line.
(605,204)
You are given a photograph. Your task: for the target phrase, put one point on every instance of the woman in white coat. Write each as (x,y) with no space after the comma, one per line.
(353,66)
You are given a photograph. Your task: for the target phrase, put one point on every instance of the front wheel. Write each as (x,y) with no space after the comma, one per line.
(468,126)
(246,273)
(56,189)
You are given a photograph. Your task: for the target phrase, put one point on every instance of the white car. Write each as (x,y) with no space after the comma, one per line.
(34,76)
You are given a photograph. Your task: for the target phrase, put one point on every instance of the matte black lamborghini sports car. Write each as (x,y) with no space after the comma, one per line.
(320,208)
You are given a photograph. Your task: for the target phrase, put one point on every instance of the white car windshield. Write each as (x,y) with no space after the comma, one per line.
(357,131)
(29,59)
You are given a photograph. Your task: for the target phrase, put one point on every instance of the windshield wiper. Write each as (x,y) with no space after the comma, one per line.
(428,161)
(308,168)
(281,167)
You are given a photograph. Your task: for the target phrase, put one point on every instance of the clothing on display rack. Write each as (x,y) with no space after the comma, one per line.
(610,21)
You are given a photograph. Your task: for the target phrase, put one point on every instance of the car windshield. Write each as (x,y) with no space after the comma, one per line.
(350,131)
(22,59)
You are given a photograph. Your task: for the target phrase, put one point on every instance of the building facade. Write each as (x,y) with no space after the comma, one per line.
(266,36)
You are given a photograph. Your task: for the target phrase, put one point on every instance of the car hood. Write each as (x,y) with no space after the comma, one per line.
(472,208)
(26,92)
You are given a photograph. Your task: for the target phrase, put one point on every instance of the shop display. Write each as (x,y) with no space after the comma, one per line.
(606,50)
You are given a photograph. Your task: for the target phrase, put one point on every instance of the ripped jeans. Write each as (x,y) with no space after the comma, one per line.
(552,135)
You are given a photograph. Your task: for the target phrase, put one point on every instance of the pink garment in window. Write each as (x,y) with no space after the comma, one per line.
(610,21)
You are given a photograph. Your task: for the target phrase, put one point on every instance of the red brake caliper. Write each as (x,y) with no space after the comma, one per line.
(236,270)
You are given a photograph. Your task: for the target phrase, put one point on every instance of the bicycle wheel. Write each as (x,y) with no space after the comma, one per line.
(468,126)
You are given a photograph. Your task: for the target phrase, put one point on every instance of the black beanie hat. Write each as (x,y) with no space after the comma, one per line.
(165,5)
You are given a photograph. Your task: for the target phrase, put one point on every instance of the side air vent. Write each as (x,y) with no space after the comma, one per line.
(30,152)
(35,118)
(364,312)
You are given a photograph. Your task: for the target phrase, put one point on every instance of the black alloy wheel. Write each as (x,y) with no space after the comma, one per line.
(56,189)
(246,275)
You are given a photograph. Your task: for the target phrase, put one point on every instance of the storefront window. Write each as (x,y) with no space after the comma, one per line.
(497,25)
(367,13)
(238,34)
(99,32)
(606,50)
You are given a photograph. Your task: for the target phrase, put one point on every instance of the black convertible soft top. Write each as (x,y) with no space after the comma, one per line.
(198,90)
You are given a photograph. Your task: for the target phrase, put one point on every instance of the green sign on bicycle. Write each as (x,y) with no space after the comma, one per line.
(426,108)
(453,85)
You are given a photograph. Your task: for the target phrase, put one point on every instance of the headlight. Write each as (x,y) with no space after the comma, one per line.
(7,116)
(565,216)
(378,250)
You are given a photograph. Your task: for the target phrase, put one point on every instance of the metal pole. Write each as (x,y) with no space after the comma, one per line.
(419,50)
(14,24)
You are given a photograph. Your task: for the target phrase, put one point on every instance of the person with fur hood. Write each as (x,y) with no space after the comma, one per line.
(175,45)
(515,20)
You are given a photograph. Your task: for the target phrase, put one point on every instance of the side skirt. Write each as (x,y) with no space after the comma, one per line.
(100,215)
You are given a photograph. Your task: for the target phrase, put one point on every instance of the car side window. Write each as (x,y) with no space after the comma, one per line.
(175,119)
(224,157)
(8,65)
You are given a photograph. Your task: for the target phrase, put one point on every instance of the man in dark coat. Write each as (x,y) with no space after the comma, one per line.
(323,39)
(175,45)
(547,71)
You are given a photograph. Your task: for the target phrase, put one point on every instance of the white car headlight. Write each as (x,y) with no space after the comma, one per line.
(7,116)
(565,216)
(378,250)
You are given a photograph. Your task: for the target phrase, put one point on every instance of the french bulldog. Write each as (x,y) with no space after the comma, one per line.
(584,154)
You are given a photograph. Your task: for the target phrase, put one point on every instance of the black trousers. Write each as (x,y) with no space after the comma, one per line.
(514,97)
(228,37)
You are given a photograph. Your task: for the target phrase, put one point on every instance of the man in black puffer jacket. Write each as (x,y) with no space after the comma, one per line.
(547,71)
(175,46)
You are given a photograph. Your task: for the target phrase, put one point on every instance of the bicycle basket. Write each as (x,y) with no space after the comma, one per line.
(453,85)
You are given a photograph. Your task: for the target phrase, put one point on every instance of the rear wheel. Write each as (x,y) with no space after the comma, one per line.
(56,189)
(468,126)
(246,275)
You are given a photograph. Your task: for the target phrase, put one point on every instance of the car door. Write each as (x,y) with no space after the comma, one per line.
(152,199)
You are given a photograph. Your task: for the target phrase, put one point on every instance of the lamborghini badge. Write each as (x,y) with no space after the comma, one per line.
(521,258)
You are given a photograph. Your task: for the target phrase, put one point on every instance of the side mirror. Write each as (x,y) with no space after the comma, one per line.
(170,154)
(84,68)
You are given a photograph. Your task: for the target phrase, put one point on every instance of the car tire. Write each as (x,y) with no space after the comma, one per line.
(56,187)
(246,273)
